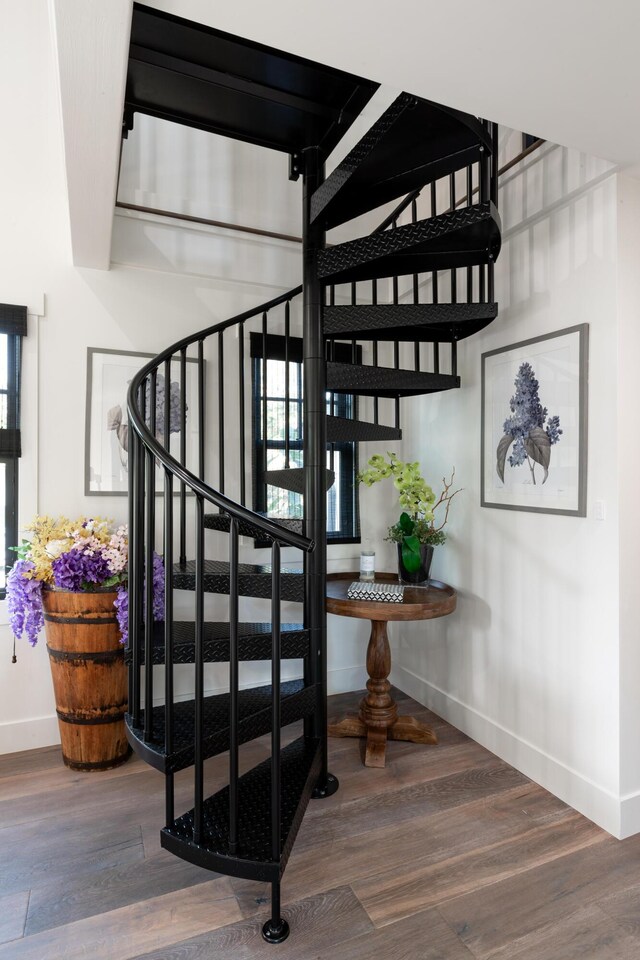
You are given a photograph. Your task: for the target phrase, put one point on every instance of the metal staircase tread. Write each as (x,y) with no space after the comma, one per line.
(254,720)
(254,642)
(459,238)
(292,479)
(254,579)
(386,381)
(345,430)
(190,73)
(222,522)
(429,322)
(391,160)
(300,768)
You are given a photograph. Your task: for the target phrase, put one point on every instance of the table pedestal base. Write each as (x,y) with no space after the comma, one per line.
(378,719)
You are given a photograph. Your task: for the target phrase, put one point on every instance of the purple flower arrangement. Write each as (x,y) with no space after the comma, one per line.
(81,555)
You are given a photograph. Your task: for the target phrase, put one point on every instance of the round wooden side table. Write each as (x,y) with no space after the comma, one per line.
(378,718)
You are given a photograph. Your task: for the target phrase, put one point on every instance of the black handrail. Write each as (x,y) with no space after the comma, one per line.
(273,530)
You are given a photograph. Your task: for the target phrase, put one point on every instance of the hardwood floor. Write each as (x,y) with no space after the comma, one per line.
(446,854)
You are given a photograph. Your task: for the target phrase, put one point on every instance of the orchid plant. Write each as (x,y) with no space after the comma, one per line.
(417,523)
(76,555)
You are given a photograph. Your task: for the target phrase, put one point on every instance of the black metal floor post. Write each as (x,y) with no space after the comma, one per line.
(315,460)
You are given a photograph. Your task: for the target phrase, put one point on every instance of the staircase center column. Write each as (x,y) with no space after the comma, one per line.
(315,454)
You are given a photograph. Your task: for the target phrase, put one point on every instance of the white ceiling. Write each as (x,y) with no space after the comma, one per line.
(564,70)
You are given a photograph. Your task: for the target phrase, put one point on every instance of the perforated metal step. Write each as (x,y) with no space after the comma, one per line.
(344,430)
(293,479)
(460,238)
(414,142)
(253,860)
(427,322)
(254,579)
(222,522)
(254,642)
(254,712)
(385,381)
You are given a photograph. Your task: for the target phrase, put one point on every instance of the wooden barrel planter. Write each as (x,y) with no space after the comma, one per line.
(89,677)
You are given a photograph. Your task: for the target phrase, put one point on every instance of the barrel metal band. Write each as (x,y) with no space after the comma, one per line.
(90,721)
(52,618)
(100,656)
(97,764)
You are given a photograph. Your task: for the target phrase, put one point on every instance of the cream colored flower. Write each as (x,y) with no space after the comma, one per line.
(54,548)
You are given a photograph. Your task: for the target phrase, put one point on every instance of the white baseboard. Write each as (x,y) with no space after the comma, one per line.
(29,734)
(618,816)
(630,815)
(345,679)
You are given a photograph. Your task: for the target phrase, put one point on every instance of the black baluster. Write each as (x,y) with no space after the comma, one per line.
(183,453)
(198,767)
(233,687)
(434,273)
(148,564)
(275,708)
(136,557)
(374,301)
(167,549)
(220,411)
(243,477)
(494,164)
(201,413)
(287,389)
(264,405)
(436,357)
(454,358)
(469,200)
(452,204)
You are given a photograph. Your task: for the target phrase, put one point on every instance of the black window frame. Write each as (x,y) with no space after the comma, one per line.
(338,404)
(13,325)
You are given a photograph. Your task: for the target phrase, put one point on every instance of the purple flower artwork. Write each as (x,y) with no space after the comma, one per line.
(530,432)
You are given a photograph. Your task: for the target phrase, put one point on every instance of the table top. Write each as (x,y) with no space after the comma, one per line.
(418,603)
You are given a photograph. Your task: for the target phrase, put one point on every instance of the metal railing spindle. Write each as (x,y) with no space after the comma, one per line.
(221,421)
(198,766)
(275,709)
(183,453)
(148,565)
(233,687)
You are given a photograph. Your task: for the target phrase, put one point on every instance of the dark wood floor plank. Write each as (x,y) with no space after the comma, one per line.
(13,915)
(317,925)
(39,855)
(129,931)
(588,933)
(487,919)
(398,893)
(53,905)
(424,936)
(417,799)
(415,767)
(431,838)
(624,905)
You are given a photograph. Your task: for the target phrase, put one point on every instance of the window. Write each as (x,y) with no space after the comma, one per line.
(13,327)
(282,418)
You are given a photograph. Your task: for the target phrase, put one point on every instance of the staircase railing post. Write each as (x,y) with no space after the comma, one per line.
(315,459)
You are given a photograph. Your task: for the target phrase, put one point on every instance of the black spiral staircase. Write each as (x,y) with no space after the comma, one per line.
(380,319)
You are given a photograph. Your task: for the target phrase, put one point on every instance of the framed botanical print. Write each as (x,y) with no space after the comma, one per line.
(534,424)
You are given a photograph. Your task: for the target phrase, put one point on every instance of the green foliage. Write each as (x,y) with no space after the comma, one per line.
(416,524)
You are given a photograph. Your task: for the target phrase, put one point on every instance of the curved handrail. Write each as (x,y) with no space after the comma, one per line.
(272,529)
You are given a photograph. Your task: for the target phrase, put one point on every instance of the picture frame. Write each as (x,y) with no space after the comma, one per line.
(109,373)
(534,424)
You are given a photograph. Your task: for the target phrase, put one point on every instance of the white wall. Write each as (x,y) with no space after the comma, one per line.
(530,662)
(628,465)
